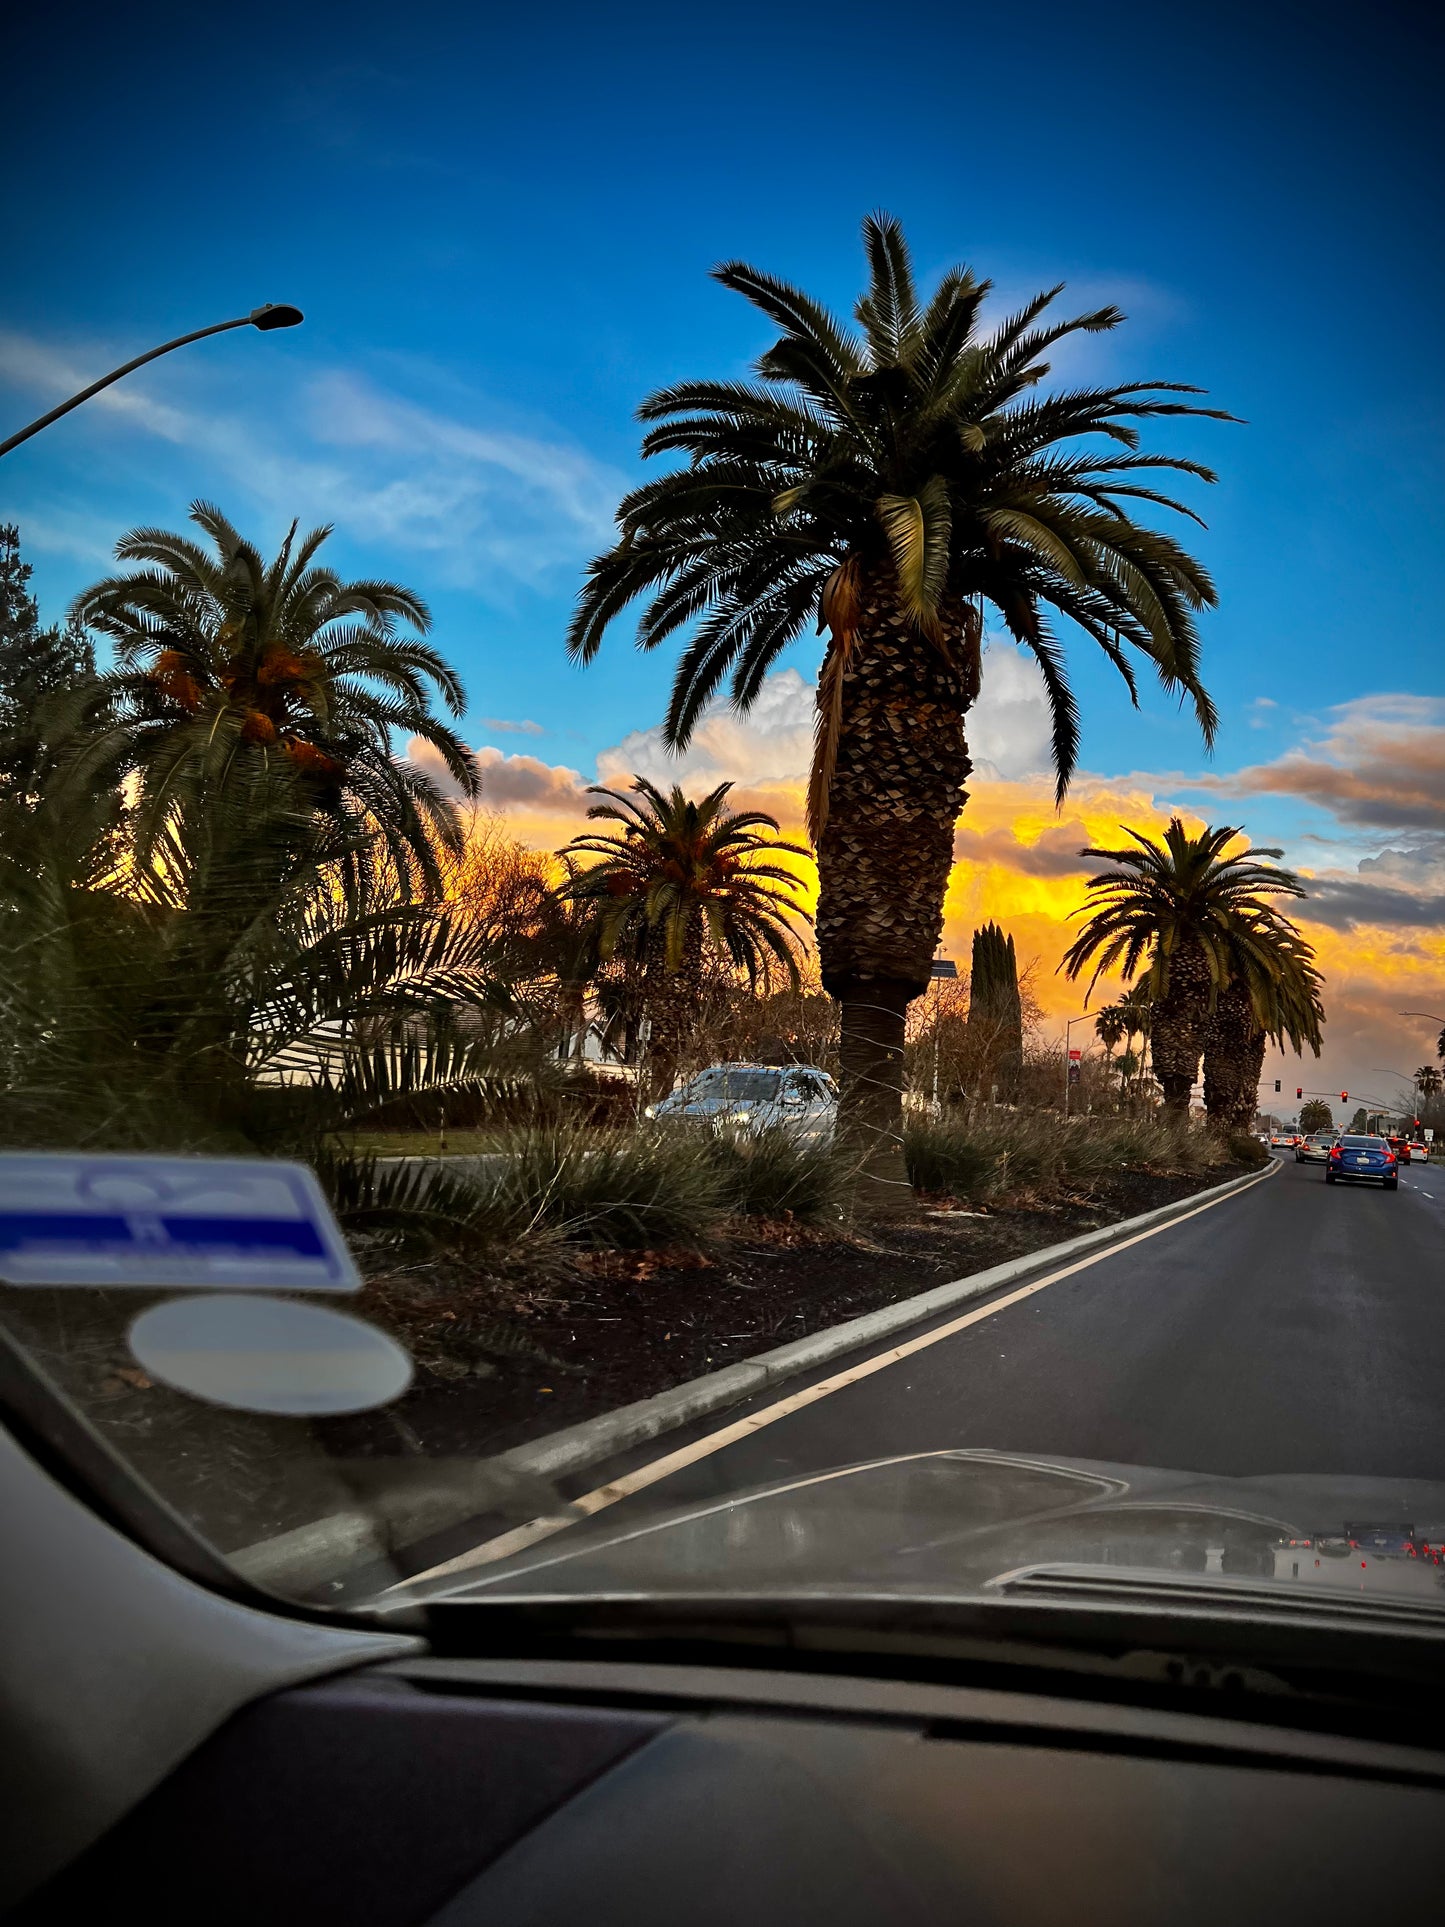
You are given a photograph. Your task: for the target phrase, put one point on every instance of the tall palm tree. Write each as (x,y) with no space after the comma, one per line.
(225,661)
(1193,913)
(674,876)
(1428,1081)
(890,483)
(1274,991)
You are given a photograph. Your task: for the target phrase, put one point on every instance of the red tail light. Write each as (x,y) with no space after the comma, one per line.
(1389,1157)
(1335,1151)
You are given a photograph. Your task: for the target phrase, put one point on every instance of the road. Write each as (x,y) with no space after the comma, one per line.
(1298,1327)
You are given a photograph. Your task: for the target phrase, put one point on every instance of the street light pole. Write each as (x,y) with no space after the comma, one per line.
(1067,1028)
(272,315)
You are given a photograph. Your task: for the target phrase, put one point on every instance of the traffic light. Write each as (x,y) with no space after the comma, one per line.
(1299,1090)
(1344,1097)
(1276,1083)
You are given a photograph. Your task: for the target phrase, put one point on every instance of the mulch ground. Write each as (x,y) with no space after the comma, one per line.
(617,1328)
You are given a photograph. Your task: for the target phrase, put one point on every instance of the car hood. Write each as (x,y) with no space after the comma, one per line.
(946,1523)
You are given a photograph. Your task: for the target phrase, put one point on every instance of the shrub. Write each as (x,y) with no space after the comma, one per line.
(775,1175)
(618,1190)
(1005,1151)
(948,1156)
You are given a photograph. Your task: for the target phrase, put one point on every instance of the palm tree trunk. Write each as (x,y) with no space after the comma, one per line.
(1177,1031)
(671,998)
(1233,1058)
(883,864)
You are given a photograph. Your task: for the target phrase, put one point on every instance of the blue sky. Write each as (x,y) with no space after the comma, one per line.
(500,226)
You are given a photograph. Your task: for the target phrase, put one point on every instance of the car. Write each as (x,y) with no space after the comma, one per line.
(1316,1148)
(797,1098)
(1400,1146)
(1358,1158)
(1281,1140)
(1419,1151)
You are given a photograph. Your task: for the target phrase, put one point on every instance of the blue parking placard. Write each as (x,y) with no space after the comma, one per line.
(168,1223)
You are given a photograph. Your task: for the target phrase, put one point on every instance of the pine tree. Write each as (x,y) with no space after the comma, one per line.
(995,1015)
(35,663)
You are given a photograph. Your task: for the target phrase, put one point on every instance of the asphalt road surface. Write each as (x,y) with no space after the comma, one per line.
(1296,1327)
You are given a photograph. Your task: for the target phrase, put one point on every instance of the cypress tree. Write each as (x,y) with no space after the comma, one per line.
(35,663)
(995,1015)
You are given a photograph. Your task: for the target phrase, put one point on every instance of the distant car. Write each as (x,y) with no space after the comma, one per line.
(1281,1140)
(1316,1148)
(1419,1151)
(1401,1147)
(797,1098)
(1361,1158)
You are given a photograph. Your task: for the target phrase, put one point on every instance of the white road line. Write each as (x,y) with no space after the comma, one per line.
(520,1538)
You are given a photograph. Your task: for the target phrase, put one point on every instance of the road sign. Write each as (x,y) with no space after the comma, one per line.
(943,967)
(177,1223)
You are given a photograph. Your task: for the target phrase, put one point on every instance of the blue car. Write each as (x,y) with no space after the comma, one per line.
(1364,1157)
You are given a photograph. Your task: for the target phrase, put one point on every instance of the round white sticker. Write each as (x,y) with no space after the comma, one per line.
(258,1354)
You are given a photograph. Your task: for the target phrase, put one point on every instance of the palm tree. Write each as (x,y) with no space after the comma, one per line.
(225,662)
(676,875)
(889,485)
(1428,1081)
(1274,992)
(1111,1027)
(1193,913)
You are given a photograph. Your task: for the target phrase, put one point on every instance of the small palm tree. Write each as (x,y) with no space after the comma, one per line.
(1192,912)
(889,484)
(225,660)
(676,875)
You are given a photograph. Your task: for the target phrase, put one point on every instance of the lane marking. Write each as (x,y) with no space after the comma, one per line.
(520,1538)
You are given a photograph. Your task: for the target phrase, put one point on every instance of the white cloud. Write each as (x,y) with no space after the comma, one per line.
(1010,730)
(773,743)
(492,505)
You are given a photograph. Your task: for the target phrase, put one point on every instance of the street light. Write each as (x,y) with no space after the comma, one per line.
(273,315)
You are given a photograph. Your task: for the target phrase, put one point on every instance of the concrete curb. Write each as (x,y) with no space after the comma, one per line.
(311,1552)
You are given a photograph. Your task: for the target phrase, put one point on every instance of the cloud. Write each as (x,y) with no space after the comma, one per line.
(1009,732)
(523,728)
(1345,905)
(1381,765)
(492,505)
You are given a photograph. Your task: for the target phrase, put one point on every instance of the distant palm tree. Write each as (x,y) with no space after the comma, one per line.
(1274,991)
(1428,1081)
(1189,911)
(676,875)
(226,660)
(889,484)
(1111,1028)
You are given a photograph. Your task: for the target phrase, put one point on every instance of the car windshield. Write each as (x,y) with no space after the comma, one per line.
(753,1087)
(718,879)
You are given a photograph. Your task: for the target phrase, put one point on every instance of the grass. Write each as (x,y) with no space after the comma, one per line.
(1009,1152)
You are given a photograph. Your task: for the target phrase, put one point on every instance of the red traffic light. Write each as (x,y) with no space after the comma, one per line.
(1344,1097)
(1299,1090)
